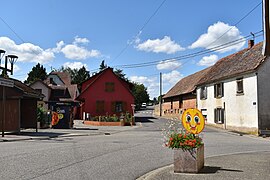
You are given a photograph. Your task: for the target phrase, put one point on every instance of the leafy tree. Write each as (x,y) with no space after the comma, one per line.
(140,93)
(77,75)
(102,66)
(80,75)
(38,72)
(120,74)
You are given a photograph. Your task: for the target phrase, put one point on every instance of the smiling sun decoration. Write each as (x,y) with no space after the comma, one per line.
(193,121)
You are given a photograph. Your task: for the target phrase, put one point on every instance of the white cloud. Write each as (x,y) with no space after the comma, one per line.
(168,65)
(208,60)
(78,40)
(165,45)
(75,65)
(26,52)
(172,77)
(152,83)
(215,36)
(72,51)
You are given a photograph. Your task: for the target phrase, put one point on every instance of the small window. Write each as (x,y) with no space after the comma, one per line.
(100,106)
(171,104)
(219,115)
(218,90)
(39,91)
(239,86)
(109,87)
(203,92)
(119,106)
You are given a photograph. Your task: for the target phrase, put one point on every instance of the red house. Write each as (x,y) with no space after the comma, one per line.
(105,94)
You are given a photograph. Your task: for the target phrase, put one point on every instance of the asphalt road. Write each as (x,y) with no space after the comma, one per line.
(123,155)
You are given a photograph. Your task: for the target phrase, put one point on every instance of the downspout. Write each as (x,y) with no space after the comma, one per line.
(257,106)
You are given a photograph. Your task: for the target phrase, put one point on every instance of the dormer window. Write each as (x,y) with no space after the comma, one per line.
(203,92)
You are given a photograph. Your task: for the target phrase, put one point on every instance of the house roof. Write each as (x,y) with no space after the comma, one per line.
(93,78)
(244,61)
(64,76)
(27,90)
(42,82)
(187,84)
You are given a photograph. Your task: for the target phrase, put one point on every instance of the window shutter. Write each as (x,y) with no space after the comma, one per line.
(222,89)
(215,115)
(205,93)
(215,90)
(113,106)
(222,115)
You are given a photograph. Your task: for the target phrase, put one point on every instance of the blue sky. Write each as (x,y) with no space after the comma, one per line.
(70,33)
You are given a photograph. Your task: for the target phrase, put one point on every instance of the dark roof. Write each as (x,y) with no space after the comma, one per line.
(244,61)
(64,76)
(27,90)
(187,84)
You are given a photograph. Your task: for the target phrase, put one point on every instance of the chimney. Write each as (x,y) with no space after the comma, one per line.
(250,43)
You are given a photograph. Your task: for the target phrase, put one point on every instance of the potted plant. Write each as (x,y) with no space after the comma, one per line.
(188,152)
(187,145)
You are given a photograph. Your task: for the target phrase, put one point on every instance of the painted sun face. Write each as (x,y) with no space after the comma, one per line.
(193,121)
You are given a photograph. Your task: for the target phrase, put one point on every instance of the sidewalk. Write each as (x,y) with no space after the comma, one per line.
(78,130)
(237,166)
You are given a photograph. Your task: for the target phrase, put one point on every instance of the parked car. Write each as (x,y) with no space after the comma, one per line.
(143,105)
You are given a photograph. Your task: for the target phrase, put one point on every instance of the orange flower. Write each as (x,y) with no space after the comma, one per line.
(179,135)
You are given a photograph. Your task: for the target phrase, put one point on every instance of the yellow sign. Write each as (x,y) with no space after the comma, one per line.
(193,121)
(60,116)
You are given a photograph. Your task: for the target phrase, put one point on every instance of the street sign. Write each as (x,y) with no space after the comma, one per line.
(6,82)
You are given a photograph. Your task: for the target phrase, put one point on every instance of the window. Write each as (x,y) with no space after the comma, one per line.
(118,106)
(171,104)
(219,90)
(203,92)
(109,87)
(180,102)
(239,86)
(39,91)
(219,116)
(100,106)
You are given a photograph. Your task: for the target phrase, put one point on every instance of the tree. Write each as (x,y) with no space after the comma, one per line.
(102,66)
(80,75)
(120,74)
(77,75)
(140,93)
(38,72)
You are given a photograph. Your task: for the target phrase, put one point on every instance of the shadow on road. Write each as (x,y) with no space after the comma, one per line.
(144,119)
(214,169)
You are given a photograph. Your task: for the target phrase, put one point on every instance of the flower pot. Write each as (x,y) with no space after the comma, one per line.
(188,161)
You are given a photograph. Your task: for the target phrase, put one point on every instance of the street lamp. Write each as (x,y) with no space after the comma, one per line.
(11,58)
(5,82)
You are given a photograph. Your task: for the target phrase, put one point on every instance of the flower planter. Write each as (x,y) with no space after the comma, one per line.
(188,161)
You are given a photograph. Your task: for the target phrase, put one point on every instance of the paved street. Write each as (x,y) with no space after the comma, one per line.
(126,153)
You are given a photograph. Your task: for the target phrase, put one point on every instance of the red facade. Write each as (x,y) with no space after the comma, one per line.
(105,94)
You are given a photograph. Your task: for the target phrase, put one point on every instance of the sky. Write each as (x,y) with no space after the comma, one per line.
(142,37)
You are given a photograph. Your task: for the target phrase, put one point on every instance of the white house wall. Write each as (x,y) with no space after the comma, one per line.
(240,110)
(264,95)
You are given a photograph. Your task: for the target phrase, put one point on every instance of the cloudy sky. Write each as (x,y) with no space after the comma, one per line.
(144,38)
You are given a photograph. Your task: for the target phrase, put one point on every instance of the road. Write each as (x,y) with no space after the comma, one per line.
(122,155)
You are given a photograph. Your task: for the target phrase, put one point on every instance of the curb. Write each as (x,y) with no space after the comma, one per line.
(154,172)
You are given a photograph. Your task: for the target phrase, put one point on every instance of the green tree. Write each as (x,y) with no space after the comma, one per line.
(80,75)
(102,66)
(77,75)
(38,72)
(140,93)
(119,73)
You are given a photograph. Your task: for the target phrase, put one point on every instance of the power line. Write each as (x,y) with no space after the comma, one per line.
(11,29)
(141,29)
(236,23)
(202,52)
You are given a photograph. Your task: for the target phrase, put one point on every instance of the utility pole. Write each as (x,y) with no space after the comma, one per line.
(160,95)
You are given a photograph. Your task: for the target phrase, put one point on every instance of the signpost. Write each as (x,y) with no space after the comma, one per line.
(5,83)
